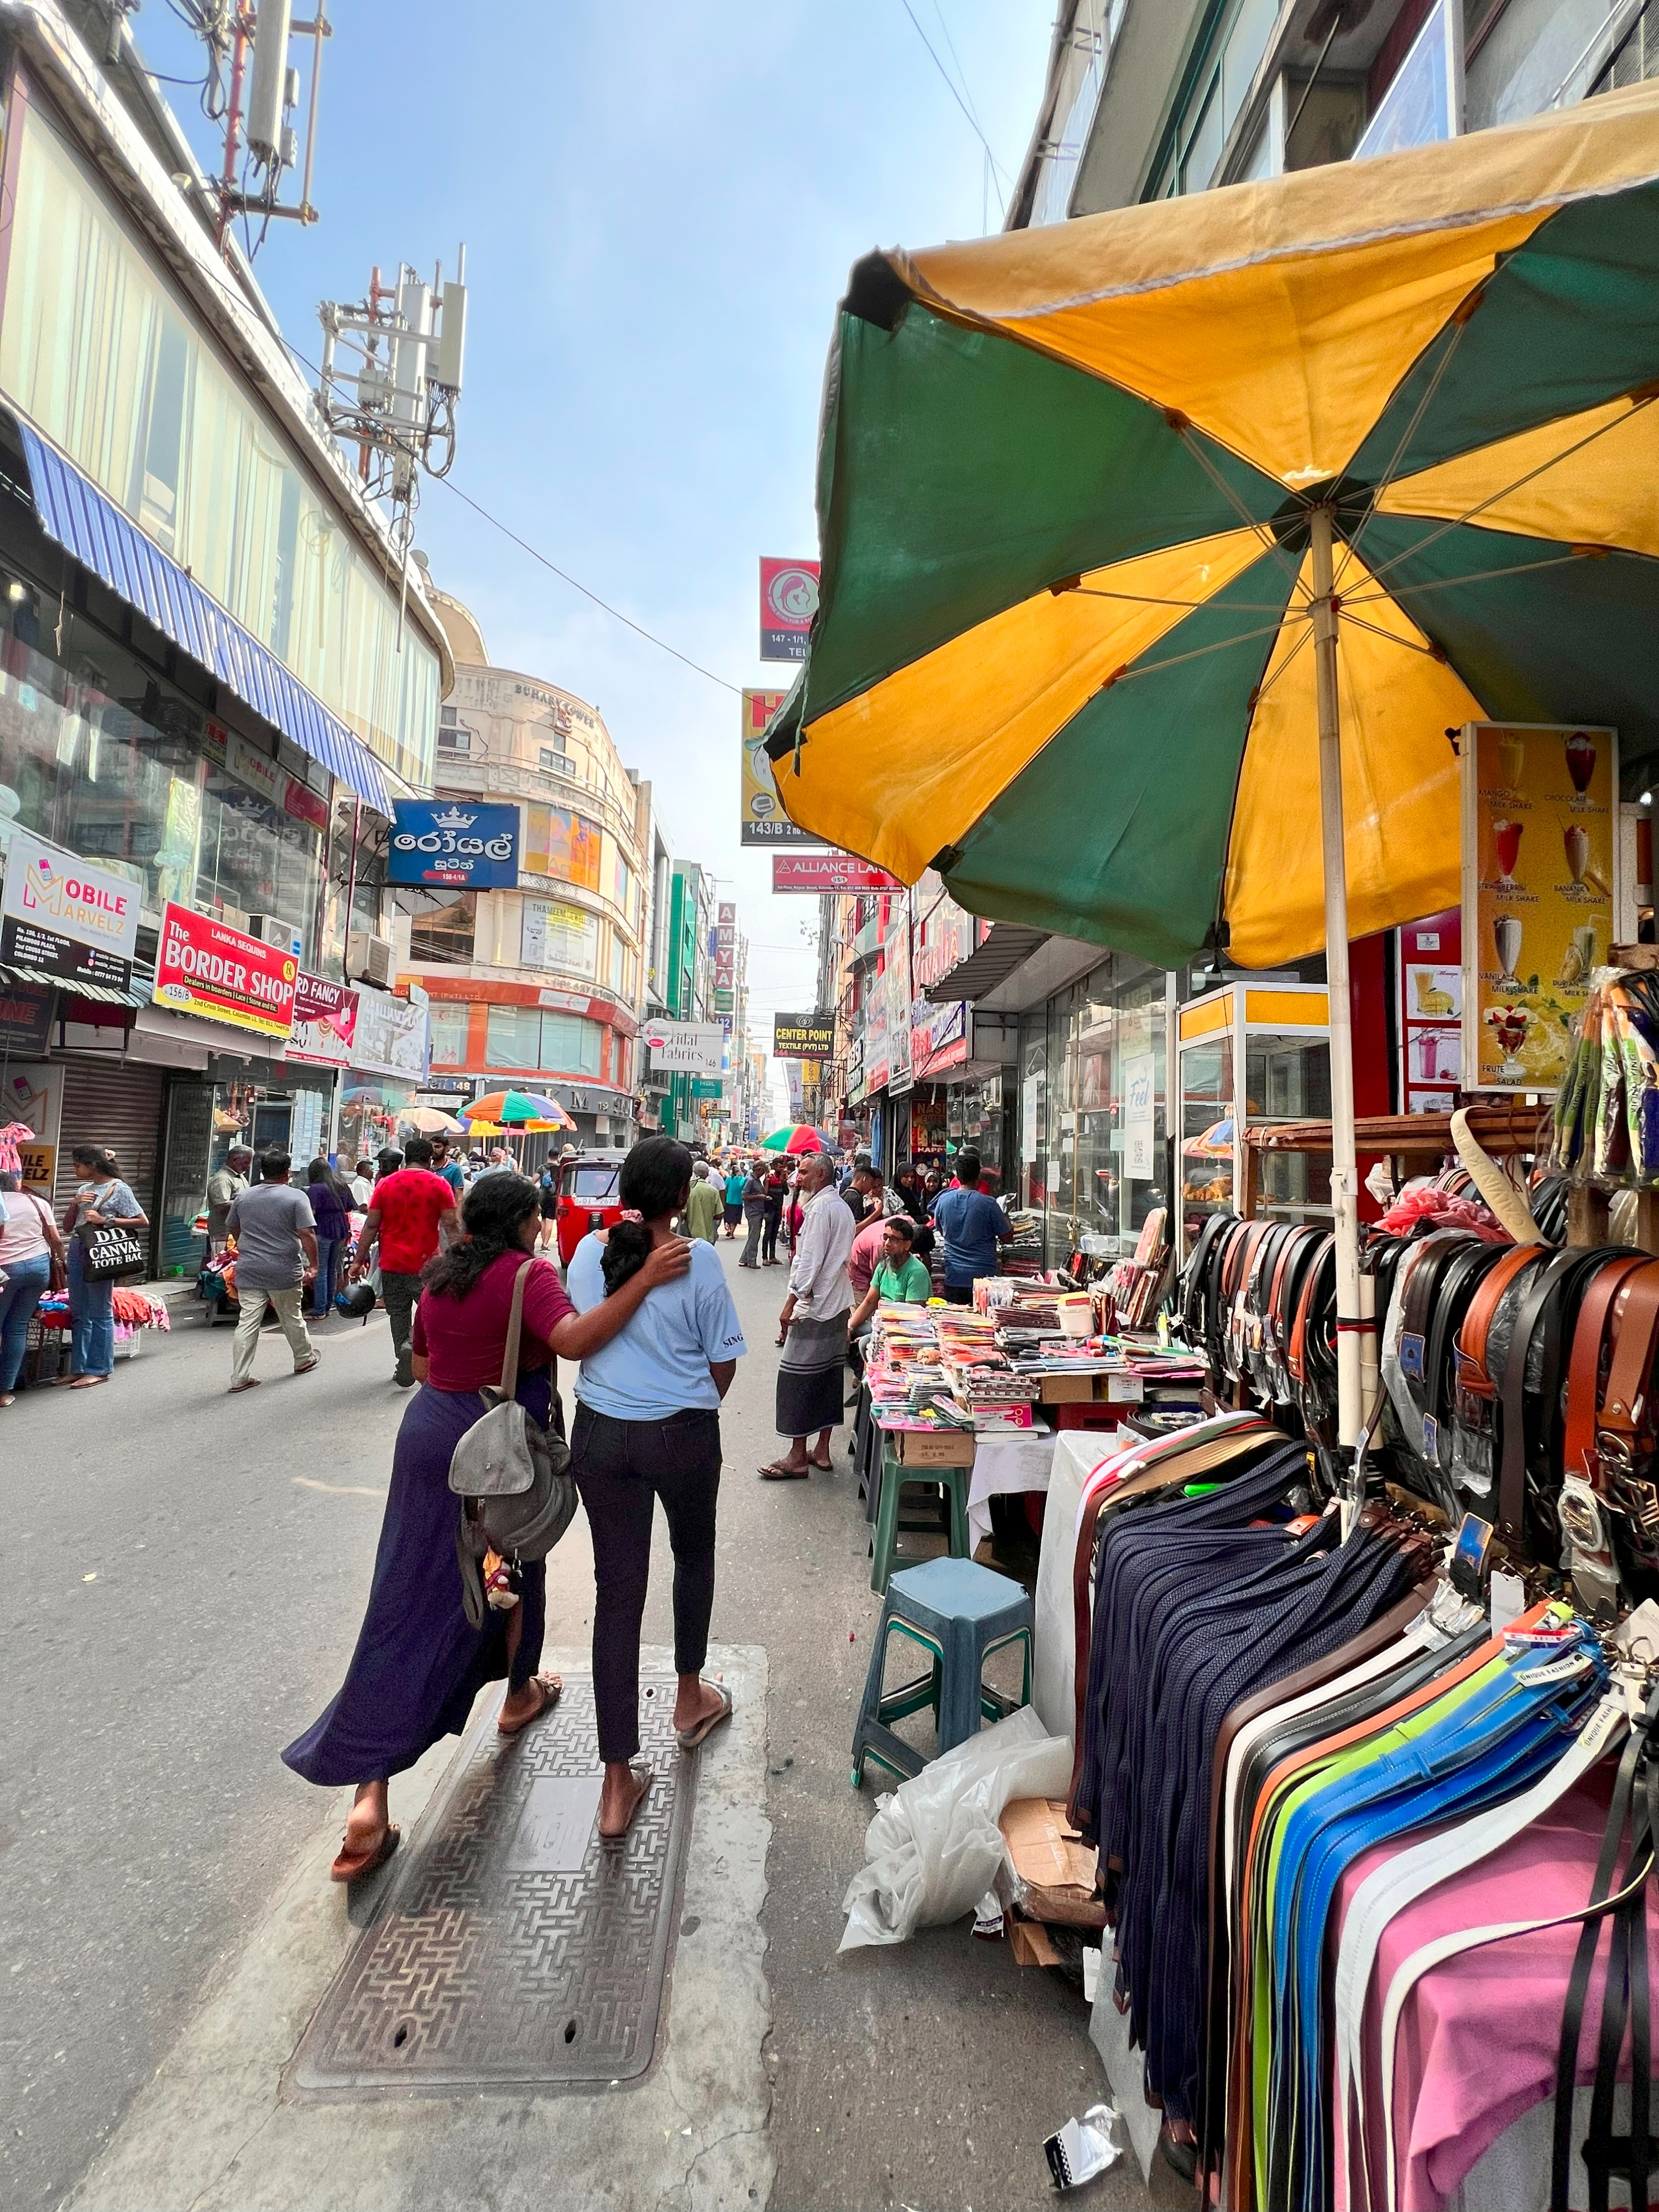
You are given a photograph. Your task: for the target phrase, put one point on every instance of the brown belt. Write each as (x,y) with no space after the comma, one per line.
(1584,1374)
(1471,1373)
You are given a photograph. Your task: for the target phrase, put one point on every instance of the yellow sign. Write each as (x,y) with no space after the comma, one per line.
(1538,862)
(764,821)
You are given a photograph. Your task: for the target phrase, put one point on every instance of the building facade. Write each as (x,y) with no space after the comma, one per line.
(541,985)
(214,686)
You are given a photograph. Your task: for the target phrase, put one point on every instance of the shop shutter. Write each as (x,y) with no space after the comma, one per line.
(118,1107)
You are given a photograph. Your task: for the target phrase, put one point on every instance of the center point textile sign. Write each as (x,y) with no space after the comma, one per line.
(686,1047)
(207,969)
(803,1036)
(447,841)
(65,917)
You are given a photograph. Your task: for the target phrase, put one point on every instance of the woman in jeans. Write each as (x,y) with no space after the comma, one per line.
(101,1196)
(29,1244)
(332,1213)
(648,1426)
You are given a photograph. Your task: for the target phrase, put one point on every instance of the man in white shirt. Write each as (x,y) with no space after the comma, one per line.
(812,1327)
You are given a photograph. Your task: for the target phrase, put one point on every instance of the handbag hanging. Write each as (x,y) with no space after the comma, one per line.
(109,1250)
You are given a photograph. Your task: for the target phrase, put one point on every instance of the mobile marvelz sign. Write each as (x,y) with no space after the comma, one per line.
(474,847)
(205,968)
(66,918)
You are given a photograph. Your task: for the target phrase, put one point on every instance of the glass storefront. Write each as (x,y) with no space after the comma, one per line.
(1277,1030)
(205,1118)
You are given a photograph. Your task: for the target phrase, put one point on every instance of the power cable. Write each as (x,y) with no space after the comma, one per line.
(950,84)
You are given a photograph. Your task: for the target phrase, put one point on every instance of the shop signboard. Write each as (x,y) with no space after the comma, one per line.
(256,769)
(1139,1115)
(938,1037)
(66,917)
(685,1048)
(390,1037)
(564,845)
(33,1095)
(896,977)
(219,973)
(789,599)
(1430,1023)
(302,803)
(554,936)
(449,841)
(819,872)
(764,821)
(707,1086)
(1538,893)
(875,1035)
(803,1036)
(324,1021)
(25,1020)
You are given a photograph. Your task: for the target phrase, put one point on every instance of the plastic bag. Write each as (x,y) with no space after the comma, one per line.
(934,1847)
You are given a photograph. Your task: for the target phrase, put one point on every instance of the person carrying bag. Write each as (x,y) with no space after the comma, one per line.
(104,1225)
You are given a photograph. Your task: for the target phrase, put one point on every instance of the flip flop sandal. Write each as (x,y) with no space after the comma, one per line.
(688,1739)
(552,1690)
(252,1382)
(305,1365)
(622,1834)
(356,1866)
(779,1470)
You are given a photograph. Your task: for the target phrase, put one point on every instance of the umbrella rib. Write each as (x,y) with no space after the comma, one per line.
(1389,636)
(1146,600)
(1446,583)
(1554,461)
(1199,652)
(1229,492)
(1351,551)
(1269,682)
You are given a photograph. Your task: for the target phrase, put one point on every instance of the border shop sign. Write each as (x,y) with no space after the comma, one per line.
(205,968)
(65,917)
(803,1036)
(476,847)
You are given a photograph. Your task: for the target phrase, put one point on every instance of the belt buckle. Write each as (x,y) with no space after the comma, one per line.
(1613,1459)
(1639,1497)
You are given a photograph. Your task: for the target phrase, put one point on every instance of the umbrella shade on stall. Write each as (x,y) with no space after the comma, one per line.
(799,1136)
(1073,488)
(430,1122)
(516,1110)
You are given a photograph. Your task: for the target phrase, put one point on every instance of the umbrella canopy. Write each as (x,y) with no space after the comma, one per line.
(430,1122)
(798,1137)
(1073,490)
(516,1110)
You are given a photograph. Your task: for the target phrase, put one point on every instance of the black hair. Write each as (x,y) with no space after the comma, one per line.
(922,1241)
(495,1211)
(8,1181)
(275,1164)
(903,1223)
(318,1172)
(652,1183)
(966,1167)
(417,1152)
(95,1157)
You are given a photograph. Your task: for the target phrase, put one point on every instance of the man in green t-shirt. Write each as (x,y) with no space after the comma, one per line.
(899,1278)
(702,1206)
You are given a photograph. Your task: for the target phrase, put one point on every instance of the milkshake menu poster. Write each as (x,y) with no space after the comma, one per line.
(1538,846)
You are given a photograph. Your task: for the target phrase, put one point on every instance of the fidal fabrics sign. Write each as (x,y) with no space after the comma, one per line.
(66,918)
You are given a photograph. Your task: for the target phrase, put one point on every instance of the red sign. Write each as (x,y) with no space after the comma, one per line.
(829,872)
(324,1021)
(789,599)
(300,800)
(207,969)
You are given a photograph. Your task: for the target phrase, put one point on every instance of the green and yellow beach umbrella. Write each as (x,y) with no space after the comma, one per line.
(1078,485)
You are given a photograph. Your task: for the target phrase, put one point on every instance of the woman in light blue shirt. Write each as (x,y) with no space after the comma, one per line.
(648,1426)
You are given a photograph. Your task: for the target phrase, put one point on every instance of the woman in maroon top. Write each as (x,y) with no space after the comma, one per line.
(419,1664)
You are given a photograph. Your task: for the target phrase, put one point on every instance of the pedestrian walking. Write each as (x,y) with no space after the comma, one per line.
(387,1161)
(547,1189)
(812,1327)
(31,1257)
(754,1214)
(224,1186)
(412,1211)
(648,1426)
(871,1187)
(793,1205)
(972,1226)
(703,1206)
(419,1664)
(363,1184)
(275,1234)
(332,1216)
(99,1197)
(777,1191)
(735,1180)
(444,1162)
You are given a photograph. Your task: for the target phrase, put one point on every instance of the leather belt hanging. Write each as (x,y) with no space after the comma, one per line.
(1472,1375)
(1593,1334)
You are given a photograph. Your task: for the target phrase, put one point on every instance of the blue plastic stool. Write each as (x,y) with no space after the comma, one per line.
(960,1614)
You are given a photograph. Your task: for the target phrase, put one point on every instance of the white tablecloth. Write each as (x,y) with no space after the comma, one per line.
(1019,1461)
(1077,1453)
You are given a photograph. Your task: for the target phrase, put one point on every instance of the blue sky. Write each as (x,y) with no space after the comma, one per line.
(659,207)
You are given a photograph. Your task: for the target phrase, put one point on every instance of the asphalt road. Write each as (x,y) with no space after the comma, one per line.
(185,1578)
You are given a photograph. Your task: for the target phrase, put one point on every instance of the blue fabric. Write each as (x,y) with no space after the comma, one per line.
(329,1250)
(91,1310)
(26,1282)
(329,1211)
(657,1364)
(970,1223)
(418,1665)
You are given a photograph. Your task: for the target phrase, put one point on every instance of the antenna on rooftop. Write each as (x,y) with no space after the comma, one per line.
(262,141)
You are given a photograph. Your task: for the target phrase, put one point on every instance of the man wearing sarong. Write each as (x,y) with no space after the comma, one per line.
(812,1327)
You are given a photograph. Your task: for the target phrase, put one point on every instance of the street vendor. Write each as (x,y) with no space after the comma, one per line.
(224,1188)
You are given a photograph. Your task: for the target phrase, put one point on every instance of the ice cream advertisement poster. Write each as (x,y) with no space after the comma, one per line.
(1538,893)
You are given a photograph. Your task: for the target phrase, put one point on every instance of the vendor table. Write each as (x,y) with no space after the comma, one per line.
(1020,1461)
(1076,1454)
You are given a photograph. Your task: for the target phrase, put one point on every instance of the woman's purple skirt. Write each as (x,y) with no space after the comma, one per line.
(418,1666)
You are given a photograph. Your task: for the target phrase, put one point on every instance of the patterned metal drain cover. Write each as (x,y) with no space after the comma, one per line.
(514,1948)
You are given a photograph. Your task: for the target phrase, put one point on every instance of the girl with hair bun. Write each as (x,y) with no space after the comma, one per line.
(648,1426)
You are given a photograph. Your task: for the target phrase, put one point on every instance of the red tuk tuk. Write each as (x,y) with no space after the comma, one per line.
(589,1198)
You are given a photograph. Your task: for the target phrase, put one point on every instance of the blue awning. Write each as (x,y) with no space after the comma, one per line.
(89,525)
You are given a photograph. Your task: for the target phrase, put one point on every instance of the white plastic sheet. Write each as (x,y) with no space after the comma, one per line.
(934,1847)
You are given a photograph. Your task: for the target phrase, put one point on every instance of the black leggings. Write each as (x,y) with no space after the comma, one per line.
(620,1466)
(769,1236)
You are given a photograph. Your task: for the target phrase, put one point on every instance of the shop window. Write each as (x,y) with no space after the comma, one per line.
(526,1038)
(1206,1133)
(570,1043)
(514,1038)
(448,1029)
(618,965)
(441,924)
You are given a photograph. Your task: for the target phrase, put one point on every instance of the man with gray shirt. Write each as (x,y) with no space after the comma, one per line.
(275,1234)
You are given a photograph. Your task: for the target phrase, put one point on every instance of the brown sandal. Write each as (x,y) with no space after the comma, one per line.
(552,1690)
(357,1866)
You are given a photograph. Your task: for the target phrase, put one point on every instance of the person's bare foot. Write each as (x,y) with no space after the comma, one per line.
(696,1701)
(625,1785)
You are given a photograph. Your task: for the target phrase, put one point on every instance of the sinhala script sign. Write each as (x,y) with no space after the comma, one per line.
(473,846)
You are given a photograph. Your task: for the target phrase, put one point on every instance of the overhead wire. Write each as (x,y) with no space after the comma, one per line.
(968,115)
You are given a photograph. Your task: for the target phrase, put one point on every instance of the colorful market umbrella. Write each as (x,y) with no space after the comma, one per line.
(796,1137)
(430,1122)
(516,1110)
(1088,495)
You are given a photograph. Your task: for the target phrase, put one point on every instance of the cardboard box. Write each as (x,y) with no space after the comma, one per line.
(1067,1389)
(1055,1867)
(935,1447)
(1032,1947)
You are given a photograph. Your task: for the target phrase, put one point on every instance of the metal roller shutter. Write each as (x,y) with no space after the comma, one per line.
(120,1108)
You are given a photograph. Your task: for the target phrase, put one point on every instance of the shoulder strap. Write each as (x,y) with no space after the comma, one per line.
(515,1319)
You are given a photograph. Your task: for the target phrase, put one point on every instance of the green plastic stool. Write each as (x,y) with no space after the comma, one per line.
(896,1478)
(960,1615)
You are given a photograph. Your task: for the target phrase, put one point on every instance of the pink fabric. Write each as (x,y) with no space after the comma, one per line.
(1477,2039)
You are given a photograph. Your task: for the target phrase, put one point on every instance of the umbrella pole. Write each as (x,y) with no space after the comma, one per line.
(1344,1172)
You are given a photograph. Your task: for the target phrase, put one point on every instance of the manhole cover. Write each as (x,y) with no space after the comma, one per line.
(514,1947)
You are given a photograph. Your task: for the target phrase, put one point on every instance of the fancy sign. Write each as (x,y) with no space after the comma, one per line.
(686,1047)
(475,847)
(205,968)
(324,1021)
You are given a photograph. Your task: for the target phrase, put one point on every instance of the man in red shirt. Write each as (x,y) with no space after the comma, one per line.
(413,1210)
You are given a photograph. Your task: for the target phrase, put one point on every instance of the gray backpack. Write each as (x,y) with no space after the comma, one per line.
(512,1476)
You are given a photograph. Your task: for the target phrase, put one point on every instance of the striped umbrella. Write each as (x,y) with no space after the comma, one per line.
(1162,547)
